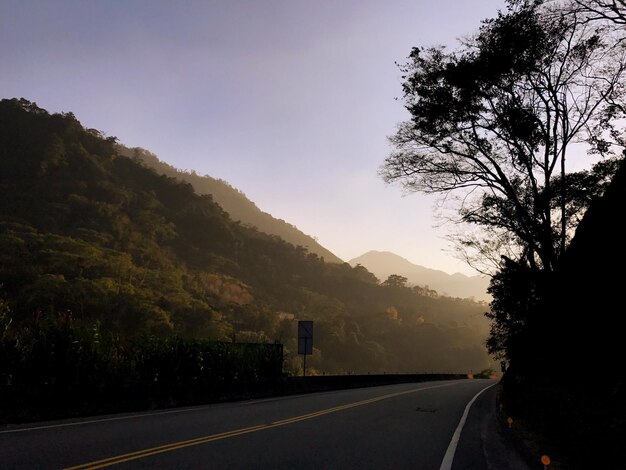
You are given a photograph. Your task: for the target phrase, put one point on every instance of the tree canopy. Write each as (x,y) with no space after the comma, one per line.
(494,127)
(492,124)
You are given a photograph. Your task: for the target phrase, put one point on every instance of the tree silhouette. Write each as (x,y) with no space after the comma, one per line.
(602,10)
(491,126)
(395,280)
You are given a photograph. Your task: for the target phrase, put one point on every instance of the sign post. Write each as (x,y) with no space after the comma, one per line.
(305,341)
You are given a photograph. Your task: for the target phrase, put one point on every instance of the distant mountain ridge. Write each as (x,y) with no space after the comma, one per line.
(233,201)
(384,263)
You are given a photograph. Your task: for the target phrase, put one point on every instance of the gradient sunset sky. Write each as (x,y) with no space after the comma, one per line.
(289,101)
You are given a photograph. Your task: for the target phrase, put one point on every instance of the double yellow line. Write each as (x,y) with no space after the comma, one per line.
(165,448)
(237,432)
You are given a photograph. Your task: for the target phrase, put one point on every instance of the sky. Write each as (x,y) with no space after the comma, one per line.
(289,101)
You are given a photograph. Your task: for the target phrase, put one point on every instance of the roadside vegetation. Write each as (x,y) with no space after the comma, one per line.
(494,129)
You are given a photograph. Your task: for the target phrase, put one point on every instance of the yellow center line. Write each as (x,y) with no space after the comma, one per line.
(108,462)
(140,453)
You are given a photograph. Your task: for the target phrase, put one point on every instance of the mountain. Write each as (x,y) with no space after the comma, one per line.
(383,263)
(93,243)
(233,201)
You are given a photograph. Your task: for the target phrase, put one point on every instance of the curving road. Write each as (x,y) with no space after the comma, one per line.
(397,426)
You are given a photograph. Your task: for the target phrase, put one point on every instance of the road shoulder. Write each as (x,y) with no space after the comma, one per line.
(483,444)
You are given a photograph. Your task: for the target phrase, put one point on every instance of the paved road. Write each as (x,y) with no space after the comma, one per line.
(397,426)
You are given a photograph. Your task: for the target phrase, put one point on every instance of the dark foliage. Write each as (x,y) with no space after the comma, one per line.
(54,369)
(493,123)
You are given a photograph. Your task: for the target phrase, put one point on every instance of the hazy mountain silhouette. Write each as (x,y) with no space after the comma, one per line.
(384,263)
(233,201)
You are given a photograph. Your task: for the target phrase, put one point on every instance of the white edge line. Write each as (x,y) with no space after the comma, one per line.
(157,413)
(100,420)
(446,463)
(140,415)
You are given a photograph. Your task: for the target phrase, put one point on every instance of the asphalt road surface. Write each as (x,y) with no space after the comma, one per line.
(413,426)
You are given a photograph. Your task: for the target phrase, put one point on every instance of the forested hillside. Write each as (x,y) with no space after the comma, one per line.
(233,201)
(98,240)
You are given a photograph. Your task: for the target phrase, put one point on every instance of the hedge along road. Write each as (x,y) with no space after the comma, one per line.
(396,426)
